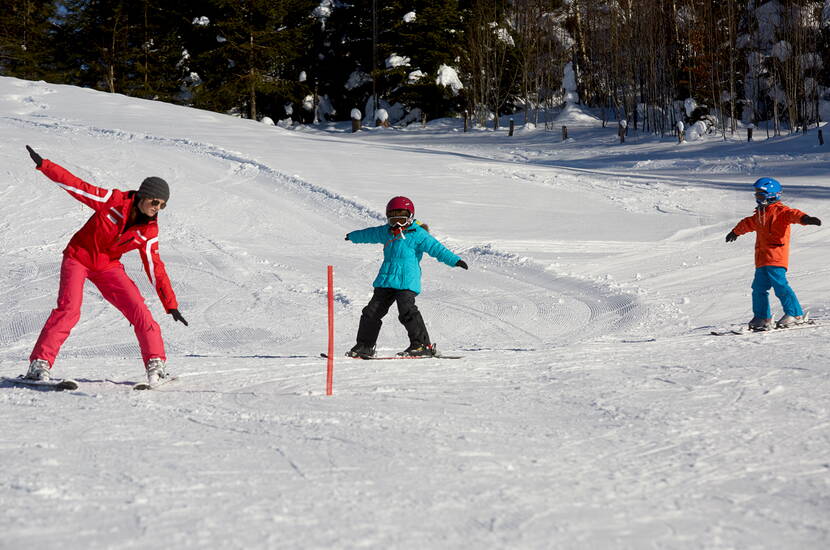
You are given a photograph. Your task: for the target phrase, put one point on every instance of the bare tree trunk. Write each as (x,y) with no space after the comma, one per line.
(731,23)
(146,47)
(252,79)
(581,40)
(114,51)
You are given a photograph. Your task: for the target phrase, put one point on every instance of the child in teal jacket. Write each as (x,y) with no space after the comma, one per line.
(404,242)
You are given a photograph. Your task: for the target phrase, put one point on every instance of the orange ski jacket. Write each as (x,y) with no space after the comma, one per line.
(102,240)
(772,233)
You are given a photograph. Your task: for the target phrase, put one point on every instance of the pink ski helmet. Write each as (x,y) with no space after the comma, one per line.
(401,203)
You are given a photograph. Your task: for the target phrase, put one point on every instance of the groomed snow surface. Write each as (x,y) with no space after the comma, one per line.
(592,409)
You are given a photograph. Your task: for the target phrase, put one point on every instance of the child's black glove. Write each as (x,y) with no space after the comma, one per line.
(35,157)
(810,220)
(177,316)
(462,264)
(731,237)
(347,236)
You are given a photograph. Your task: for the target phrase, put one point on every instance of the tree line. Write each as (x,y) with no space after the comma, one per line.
(651,62)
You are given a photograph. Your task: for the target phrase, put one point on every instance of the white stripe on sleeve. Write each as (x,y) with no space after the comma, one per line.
(77,191)
(150,260)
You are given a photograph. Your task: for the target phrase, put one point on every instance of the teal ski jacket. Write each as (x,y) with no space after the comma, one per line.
(402,253)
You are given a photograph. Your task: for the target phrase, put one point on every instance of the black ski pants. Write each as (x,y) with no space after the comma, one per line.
(408,315)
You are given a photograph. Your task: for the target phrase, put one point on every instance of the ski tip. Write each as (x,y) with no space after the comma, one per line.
(141,386)
(67,384)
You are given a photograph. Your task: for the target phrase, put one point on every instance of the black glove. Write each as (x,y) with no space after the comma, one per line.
(810,220)
(462,264)
(177,316)
(35,157)
(731,237)
(347,236)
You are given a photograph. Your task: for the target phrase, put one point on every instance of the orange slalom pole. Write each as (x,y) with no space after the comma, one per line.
(330,361)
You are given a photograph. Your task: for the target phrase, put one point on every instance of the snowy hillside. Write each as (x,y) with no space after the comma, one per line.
(592,408)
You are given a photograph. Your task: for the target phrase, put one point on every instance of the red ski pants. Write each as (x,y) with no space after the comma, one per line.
(118,289)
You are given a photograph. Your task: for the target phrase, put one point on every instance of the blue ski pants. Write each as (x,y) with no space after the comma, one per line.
(775,277)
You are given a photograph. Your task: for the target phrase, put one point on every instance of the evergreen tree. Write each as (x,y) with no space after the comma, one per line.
(25,32)
(432,39)
(93,43)
(342,60)
(131,47)
(157,69)
(257,40)
(353,44)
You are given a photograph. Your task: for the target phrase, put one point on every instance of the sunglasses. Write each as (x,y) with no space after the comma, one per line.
(401,221)
(160,203)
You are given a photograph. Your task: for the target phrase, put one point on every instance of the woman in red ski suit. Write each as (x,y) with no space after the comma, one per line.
(122,221)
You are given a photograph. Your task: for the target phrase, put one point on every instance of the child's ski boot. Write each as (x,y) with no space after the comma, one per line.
(361,351)
(788,321)
(760,324)
(419,350)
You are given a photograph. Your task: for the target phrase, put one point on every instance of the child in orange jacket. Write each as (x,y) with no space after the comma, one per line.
(771,224)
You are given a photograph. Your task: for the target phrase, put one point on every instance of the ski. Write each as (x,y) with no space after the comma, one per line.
(744,329)
(141,386)
(55,384)
(391,357)
(724,332)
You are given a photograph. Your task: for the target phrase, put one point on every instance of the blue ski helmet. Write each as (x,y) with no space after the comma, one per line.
(767,191)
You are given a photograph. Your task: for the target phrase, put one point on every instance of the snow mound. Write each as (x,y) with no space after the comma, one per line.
(575,115)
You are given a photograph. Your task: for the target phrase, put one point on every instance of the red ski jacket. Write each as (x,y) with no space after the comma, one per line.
(102,240)
(772,233)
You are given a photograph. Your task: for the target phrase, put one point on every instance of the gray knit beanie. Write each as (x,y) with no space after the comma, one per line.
(154,188)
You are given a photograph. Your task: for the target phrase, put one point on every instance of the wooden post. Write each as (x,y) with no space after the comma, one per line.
(749,134)
(564,133)
(423,120)
(820,137)
(622,127)
(356,116)
(510,133)
(466,118)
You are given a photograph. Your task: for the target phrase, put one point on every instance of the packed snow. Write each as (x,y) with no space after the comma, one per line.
(592,407)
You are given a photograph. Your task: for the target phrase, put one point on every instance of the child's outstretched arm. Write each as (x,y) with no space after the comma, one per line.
(746,225)
(441,253)
(370,235)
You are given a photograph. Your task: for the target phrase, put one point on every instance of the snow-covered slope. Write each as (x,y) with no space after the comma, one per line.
(591,409)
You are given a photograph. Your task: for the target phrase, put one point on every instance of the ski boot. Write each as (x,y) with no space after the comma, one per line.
(419,350)
(156,371)
(788,321)
(38,370)
(760,324)
(361,351)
